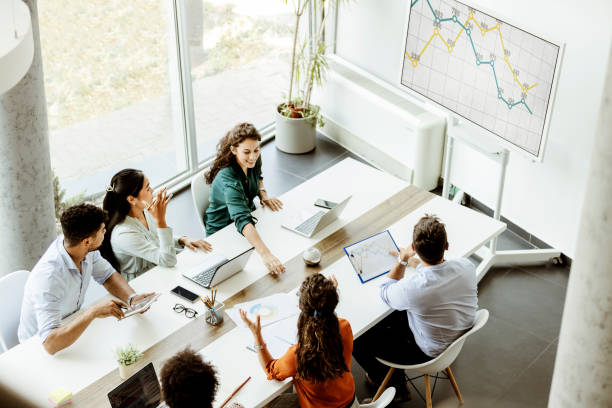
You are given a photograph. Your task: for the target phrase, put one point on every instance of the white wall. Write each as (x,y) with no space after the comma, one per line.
(543,198)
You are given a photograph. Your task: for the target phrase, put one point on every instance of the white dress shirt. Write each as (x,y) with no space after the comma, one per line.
(440,300)
(55,289)
(139,248)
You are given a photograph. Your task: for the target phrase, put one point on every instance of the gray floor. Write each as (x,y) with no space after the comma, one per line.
(509,363)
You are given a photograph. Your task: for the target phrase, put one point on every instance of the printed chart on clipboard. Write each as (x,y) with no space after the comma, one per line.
(370,257)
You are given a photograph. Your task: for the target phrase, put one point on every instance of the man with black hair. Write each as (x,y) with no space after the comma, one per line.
(433,306)
(188,381)
(58,282)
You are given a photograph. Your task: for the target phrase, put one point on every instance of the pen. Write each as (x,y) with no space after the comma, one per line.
(234,393)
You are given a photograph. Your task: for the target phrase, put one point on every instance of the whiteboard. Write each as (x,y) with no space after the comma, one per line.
(483,69)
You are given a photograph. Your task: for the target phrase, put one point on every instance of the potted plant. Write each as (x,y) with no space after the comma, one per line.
(127,358)
(296,118)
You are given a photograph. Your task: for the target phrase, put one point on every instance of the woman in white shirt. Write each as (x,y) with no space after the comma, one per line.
(137,236)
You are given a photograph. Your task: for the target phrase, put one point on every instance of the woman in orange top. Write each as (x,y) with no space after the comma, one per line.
(320,363)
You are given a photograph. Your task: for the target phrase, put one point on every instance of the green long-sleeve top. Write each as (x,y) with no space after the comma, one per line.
(231,197)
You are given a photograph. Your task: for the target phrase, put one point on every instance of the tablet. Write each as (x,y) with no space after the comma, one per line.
(140,306)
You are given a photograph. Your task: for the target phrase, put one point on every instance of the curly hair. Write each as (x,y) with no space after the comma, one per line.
(319,349)
(188,381)
(225,157)
(80,222)
(429,239)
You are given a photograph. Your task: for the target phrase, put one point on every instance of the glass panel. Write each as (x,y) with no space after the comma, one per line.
(109,67)
(239,52)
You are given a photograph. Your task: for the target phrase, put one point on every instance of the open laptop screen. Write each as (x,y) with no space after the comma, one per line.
(140,390)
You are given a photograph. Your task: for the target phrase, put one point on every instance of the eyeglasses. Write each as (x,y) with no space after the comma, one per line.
(189,313)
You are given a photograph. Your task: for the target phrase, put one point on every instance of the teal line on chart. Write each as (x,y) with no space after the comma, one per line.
(479,62)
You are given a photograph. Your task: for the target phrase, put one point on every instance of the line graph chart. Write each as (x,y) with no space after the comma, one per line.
(482,68)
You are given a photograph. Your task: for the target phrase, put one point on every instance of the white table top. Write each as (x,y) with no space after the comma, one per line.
(28,370)
(466,229)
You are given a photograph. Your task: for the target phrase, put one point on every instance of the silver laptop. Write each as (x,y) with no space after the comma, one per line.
(310,222)
(218,268)
(139,391)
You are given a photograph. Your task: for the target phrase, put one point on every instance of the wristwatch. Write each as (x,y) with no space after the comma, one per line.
(405,263)
(259,347)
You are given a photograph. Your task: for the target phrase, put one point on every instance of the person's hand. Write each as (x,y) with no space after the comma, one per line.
(334,280)
(254,326)
(272,203)
(273,264)
(194,245)
(404,254)
(110,307)
(140,298)
(158,207)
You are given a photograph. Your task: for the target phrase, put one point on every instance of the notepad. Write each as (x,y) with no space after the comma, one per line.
(370,257)
(60,397)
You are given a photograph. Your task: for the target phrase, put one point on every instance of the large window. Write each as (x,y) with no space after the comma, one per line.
(117,96)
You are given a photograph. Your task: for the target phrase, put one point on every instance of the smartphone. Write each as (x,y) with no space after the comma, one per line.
(325,204)
(184,293)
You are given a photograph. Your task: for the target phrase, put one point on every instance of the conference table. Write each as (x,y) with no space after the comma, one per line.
(378,201)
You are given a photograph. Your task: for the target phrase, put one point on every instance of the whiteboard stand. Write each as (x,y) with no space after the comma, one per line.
(490,256)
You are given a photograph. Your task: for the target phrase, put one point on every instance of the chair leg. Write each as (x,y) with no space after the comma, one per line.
(427,392)
(383,385)
(451,377)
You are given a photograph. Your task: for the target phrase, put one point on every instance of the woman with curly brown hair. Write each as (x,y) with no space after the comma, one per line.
(320,363)
(236,179)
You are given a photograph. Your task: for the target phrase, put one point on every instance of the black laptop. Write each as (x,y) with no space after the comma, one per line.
(139,391)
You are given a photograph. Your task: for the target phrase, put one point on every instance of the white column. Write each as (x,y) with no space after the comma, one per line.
(583,368)
(27,216)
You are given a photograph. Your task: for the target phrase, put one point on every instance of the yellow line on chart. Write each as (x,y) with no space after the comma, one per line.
(436,33)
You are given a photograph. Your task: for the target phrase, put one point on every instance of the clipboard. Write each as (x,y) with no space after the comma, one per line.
(370,257)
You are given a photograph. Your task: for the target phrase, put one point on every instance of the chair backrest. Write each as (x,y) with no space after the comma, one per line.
(446,358)
(11,296)
(385,399)
(200,191)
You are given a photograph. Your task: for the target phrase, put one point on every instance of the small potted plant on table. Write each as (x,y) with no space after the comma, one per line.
(127,358)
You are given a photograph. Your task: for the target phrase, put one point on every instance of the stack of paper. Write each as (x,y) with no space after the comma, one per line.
(60,397)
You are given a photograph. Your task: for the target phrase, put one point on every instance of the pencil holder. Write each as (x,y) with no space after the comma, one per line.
(215,316)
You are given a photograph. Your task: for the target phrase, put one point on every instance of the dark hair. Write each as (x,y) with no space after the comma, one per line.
(429,239)
(319,349)
(188,381)
(81,221)
(127,182)
(225,157)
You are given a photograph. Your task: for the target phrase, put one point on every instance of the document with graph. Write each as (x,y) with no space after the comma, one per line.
(370,257)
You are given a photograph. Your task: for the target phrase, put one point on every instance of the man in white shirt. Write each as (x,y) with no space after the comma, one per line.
(440,300)
(57,284)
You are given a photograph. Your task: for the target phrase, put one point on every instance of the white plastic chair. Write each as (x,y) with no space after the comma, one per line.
(438,364)
(200,191)
(385,399)
(11,296)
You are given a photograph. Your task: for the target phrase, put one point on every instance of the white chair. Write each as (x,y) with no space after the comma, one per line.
(438,364)
(11,296)
(385,399)
(200,191)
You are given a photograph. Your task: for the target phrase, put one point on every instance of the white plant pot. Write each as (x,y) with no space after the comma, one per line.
(126,372)
(295,135)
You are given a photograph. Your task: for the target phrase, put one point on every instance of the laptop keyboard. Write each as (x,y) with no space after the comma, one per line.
(204,278)
(308,226)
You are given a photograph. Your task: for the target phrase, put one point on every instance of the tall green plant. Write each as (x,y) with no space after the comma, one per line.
(309,63)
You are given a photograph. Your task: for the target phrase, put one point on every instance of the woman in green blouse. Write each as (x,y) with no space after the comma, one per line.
(236,179)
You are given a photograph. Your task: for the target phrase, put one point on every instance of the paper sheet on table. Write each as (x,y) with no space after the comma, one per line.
(271,309)
(370,257)
(279,336)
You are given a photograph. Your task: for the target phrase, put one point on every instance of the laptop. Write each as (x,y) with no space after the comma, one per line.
(139,391)
(309,223)
(218,268)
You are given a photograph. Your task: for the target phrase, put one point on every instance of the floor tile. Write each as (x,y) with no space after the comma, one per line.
(301,164)
(532,387)
(526,301)
(549,272)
